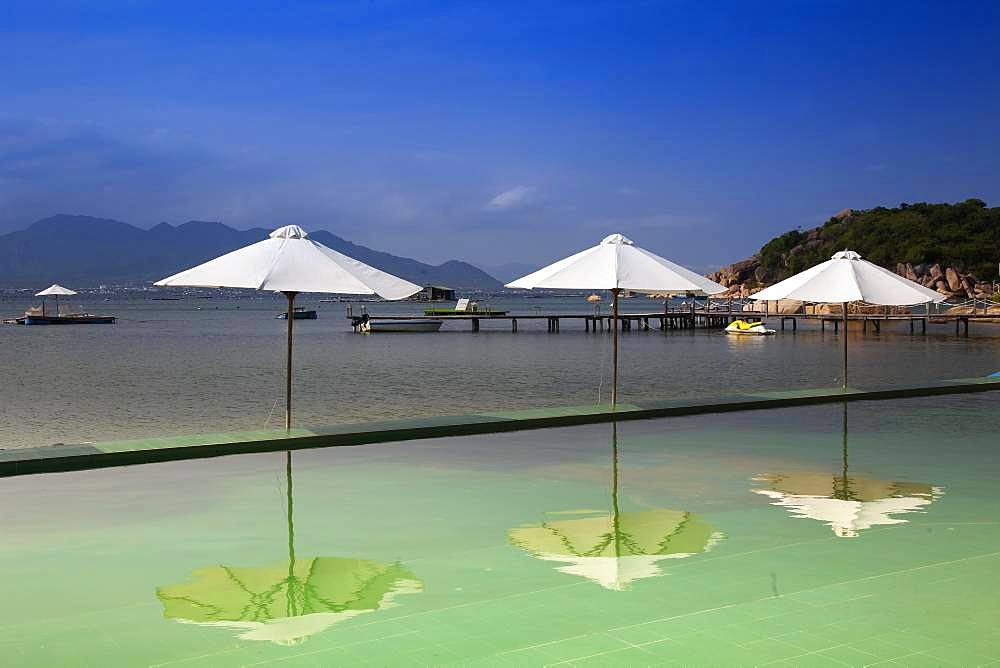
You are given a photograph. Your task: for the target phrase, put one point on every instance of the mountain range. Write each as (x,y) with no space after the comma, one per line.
(86,251)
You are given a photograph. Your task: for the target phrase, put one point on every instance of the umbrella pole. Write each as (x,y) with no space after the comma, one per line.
(288,363)
(844,492)
(615,522)
(288,503)
(614,326)
(290,608)
(845,345)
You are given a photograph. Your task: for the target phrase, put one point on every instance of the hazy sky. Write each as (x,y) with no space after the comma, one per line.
(497,131)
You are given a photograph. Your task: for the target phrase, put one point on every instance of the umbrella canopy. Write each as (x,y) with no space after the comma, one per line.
(617,264)
(846,278)
(55,289)
(289,601)
(615,549)
(847,504)
(289,262)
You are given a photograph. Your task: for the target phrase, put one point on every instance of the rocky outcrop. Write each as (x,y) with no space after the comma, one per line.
(741,278)
(836,309)
(746,277)
(950,281)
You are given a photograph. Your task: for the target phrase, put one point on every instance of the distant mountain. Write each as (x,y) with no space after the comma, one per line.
(83,250)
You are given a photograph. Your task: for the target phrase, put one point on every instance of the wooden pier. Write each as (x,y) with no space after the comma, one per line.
(688,319)
(664,320)
(874,322)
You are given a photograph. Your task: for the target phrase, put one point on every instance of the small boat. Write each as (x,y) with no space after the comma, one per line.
(67,319)
(415,325)
(299,314)
(750,328)
(594,298)
(37,316)
(465,306)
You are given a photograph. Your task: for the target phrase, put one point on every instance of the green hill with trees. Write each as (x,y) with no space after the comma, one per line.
(921,241)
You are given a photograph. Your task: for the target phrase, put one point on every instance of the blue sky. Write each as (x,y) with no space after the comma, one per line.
(497,131)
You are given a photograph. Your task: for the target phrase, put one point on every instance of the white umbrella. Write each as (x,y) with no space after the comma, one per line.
(615,548)
(55,290)
(617,264)
(848,517)
(846,278)
(289,263)
(847,503)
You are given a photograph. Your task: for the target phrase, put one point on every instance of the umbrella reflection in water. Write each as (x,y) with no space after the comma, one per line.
(614,549)
(848,503)
(285,603)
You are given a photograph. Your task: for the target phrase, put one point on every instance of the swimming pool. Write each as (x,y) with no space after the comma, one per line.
(761,538)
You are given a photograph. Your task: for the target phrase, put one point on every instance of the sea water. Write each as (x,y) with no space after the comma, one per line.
(209,365)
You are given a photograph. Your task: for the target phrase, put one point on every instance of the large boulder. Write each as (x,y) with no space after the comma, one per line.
(843,215)
(737,273)
(969,286)
(936,272)
(953,279)
(781,306)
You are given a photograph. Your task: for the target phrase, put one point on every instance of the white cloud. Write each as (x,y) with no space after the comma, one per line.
(512,199)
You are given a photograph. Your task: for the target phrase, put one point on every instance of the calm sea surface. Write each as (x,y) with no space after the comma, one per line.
(197,365)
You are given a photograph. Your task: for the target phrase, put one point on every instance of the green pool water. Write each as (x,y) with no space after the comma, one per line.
(757,538)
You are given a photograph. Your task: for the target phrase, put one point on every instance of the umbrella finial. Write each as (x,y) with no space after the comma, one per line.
(846,255)
(617,239)
(289,232)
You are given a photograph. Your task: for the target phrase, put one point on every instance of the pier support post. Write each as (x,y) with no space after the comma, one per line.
(475,324)
(513,324)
